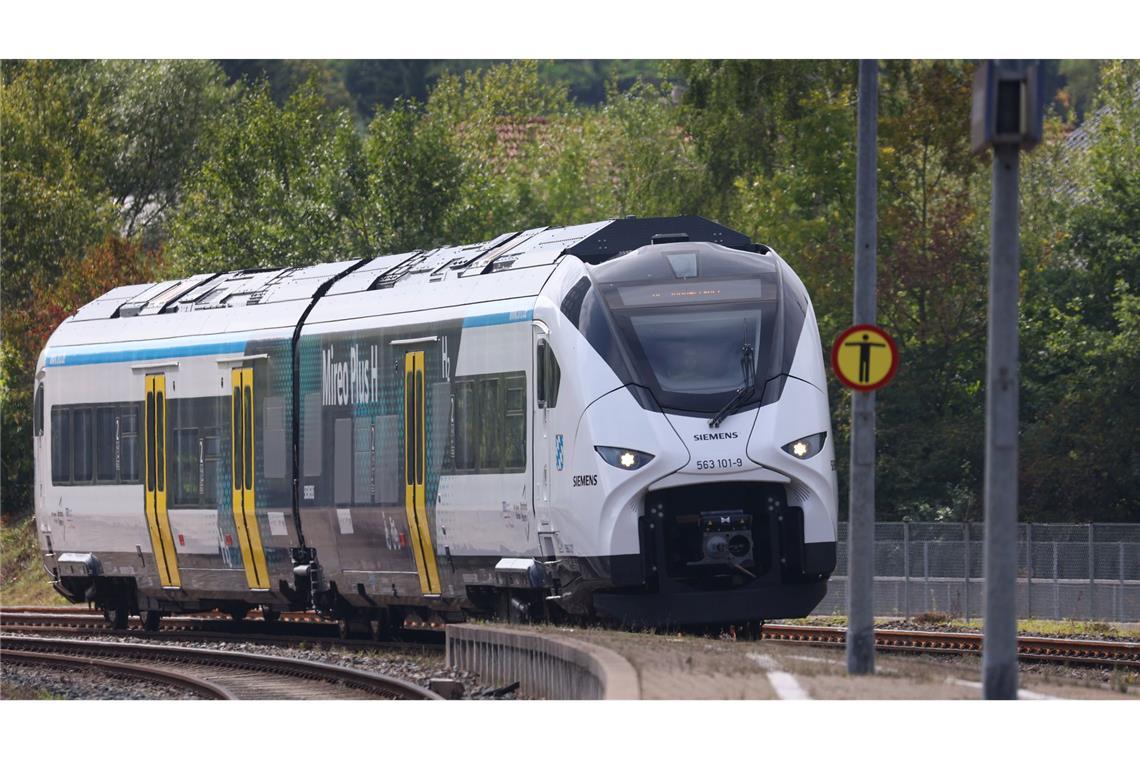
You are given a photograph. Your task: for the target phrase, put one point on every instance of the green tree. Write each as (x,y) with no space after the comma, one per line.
(1081,326)
(280,188)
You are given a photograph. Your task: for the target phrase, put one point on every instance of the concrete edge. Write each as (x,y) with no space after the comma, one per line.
(546,665)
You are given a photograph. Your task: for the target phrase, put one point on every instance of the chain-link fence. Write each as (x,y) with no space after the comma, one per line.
(1084,572)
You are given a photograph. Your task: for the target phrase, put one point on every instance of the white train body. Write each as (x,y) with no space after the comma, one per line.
(571,415)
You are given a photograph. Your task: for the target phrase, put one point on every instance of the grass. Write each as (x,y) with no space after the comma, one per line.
(22,576)
(26,693)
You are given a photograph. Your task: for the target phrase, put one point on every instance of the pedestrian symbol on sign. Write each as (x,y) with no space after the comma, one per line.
(864,358)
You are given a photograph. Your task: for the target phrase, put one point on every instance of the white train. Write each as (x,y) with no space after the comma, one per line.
(627,418)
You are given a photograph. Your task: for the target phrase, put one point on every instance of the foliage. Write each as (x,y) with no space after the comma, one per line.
(276,191)
(1082,327)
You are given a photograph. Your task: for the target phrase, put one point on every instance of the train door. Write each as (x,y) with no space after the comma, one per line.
(415,466)
(244,462)
(547,443)
(157,519)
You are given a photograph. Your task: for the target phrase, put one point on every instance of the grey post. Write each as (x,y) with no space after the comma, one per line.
(1092,574)
(1007,117)
(906,569)
(1029,570)
(999,652)
(861,501)
(966,572)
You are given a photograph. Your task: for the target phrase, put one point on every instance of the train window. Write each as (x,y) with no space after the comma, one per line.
(236,456)
(514,422)
(313,432)
(38,412)
(465,426)
(211,465)
(105,423)
(81,430)
(247,441)
(187,458)
(60,446)
(129,444)
(490,414)
(160,439)
(549,376)
(150,468)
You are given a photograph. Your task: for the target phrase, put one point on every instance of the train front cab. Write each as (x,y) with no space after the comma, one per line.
(724,391)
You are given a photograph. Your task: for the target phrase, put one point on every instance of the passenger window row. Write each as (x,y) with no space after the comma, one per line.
(488,426)
(95,444)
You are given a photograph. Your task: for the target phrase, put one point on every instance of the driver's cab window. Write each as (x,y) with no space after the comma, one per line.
(549,376)
(39,410)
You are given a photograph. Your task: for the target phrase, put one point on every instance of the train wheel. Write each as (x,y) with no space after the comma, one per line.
(238,614)
(117,617)
(151,619)
(270,616)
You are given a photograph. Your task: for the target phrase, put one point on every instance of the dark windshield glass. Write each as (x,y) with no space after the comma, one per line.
(685,340)
(697,350)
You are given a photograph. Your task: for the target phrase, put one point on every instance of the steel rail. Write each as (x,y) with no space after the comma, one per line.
(211,628)
(203,689)
(1034,648)
(358,680)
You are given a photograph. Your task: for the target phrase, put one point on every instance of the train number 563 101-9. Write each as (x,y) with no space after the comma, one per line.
(719,464)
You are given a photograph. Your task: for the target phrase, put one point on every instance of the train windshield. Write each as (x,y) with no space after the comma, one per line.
(689,341)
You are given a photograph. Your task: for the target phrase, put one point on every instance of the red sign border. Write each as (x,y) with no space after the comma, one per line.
(867,328)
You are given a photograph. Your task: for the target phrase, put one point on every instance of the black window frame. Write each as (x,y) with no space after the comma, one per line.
(118,411)
(38,411)
(479,422)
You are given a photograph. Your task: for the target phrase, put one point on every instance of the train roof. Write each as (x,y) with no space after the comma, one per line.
(514,264)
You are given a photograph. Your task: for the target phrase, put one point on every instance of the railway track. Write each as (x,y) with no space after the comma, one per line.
(292,629)
(300,627)
(1029,648)
(215,674)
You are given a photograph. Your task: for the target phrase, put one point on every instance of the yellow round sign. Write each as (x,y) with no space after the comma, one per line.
(864,357)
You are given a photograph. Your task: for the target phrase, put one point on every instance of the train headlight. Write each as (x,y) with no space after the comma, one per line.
(623,459)
(806,447)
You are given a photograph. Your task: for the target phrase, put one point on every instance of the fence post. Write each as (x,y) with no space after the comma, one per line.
(1092,575)
(1029,570)
(1056,586)
(1120,589)
(926,574)
(906,569)
(966,572)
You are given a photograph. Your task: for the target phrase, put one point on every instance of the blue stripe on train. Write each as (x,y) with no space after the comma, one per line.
(104,355)
(500,318)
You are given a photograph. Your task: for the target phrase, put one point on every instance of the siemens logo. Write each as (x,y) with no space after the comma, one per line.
(585,480)
(713,436)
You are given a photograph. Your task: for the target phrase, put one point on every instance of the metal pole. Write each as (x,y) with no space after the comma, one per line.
(1029,570)
(861,500)
(966,573)
(999,652)
(1092,575)
(906,570)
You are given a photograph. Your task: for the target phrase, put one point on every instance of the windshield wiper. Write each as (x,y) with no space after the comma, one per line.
(744,392)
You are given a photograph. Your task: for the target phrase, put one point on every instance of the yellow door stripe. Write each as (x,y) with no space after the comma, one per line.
(150,495)
(242,479)
(253,530)
(421,480)
(410,460)
(158,520)
(415,467)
